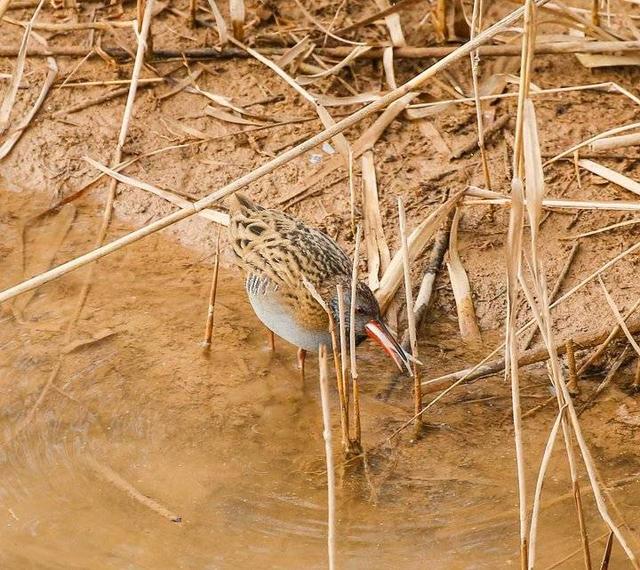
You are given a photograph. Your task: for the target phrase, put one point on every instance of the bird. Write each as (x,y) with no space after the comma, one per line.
(284,260)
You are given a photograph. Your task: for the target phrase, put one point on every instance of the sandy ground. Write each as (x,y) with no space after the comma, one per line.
(168,285)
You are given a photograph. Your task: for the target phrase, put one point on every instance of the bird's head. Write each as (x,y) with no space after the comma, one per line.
(368,322)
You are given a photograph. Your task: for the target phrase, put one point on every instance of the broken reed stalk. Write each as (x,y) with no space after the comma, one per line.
(269,166)
(378,254)
(208,330)
(357,428)
(328,450)
(572,383)
(440,21)
(475,63)
(193,10)
(411,322)
(636,377)
(467,322)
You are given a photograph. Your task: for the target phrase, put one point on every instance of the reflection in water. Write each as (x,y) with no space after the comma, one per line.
(231,441)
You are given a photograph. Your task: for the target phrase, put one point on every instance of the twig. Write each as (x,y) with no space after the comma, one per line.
(572,383)
(208,330)
(606,556)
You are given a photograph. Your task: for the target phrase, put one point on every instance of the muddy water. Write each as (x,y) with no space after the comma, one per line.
(139,425)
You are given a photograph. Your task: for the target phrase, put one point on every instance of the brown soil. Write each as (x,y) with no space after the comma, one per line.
(232,441)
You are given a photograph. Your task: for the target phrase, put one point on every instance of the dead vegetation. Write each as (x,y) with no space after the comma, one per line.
(326,55)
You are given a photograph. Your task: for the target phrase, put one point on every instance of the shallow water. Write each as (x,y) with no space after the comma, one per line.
(231,440)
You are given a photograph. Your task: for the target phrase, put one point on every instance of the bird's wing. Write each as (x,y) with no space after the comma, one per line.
(272,244)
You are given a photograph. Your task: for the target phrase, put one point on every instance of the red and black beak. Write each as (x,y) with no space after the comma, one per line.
(379,332)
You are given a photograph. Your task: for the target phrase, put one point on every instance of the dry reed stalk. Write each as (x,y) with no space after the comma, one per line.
(74,26)
(344,411)
(121,483)
(577,551)
(193,11)
(215,216)
(602,230)
(94,101)
(544,463)
(606,555)
(556,289)
(322,28)
(4,4)
(326,434)
(378,254)
(587,142)
(110,82)
(238,13)
(365,142)
(558,203)
(411,322)
(595,13)
(605,343)
(611,175)
(19,129)
(469,330)
(344,354)
(489,368)
(16,78)
(352,193)
(514,257)
(619,318)
(621,141)
(417,241)
(270,165)
(355,53)
(423,298)
(221,25)
(543,318)
(611,374)
(339,140)
(563,398)
(357,428)
(475,63)
(211,307)
(572,383)
(439,19)
(392,9)
(636,376)
(392,20)
(607,87)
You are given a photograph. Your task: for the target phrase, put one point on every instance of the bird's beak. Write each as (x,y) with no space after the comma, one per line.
(379,332)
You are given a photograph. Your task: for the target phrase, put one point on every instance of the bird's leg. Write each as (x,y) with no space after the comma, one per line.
(302,354)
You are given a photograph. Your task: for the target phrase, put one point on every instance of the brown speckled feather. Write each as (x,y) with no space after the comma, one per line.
(269,244)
